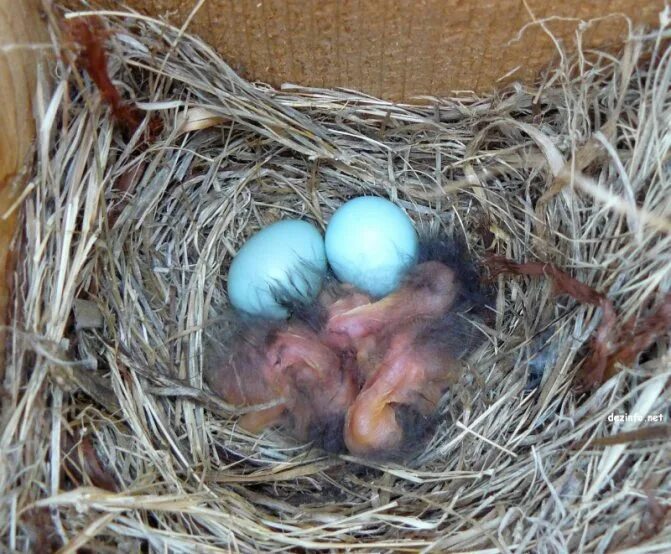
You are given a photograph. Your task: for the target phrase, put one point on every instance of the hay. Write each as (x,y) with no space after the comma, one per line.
(109,440)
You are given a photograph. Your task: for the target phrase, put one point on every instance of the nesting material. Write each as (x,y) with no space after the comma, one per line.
(109,438)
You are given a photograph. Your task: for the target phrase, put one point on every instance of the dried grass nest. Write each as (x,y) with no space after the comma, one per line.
(110,441)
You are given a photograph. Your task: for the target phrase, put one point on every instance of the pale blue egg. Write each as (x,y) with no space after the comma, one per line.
(285,258)
(371,243)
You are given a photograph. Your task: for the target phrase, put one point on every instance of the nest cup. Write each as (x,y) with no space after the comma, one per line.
(111,440)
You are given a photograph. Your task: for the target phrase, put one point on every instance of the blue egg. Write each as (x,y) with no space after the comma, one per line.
(286,258)
(371,243)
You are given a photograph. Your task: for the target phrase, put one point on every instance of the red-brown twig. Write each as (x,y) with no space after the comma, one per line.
(88,36)
(611,345)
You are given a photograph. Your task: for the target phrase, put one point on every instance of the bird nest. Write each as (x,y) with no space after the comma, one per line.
(112,441)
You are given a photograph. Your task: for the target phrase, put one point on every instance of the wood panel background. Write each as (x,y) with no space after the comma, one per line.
(395,49)
(22,40)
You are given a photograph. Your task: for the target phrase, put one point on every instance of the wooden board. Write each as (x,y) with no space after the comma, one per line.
(395,49)
(21,32)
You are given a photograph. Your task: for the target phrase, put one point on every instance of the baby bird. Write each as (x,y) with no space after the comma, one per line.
(285,364)
(416,338)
